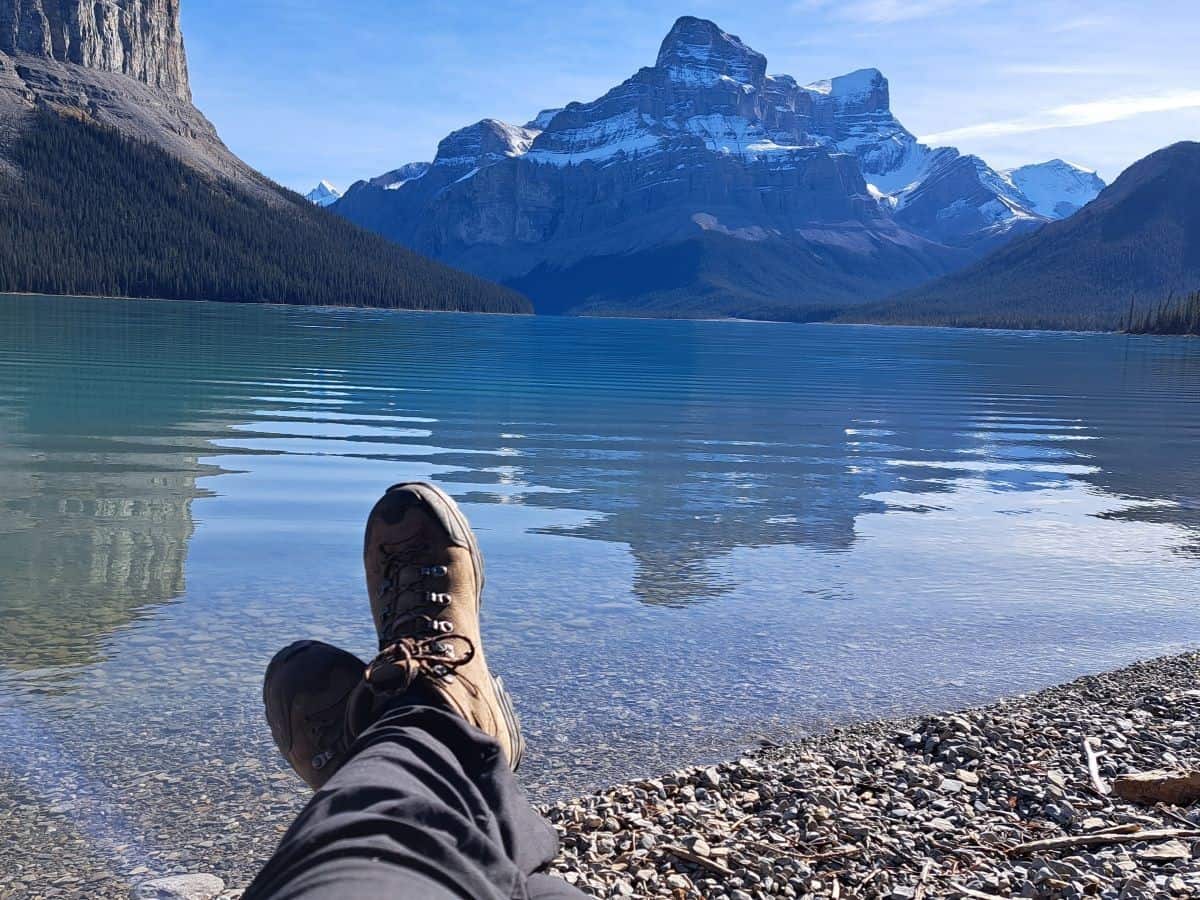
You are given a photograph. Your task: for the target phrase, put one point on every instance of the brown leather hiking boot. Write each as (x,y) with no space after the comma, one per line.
(306,692)
(425,577)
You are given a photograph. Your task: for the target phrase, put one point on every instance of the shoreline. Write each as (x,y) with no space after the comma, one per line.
(935,806)
(923,807)
(536,315)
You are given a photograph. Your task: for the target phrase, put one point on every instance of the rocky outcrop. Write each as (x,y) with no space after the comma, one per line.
(707,150)
(138,38)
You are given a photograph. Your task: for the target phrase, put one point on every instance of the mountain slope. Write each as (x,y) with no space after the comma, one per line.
(144,224)
(1139,240)
(688,167)
(111,182)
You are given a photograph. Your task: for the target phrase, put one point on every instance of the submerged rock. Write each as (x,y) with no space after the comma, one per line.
(180,887)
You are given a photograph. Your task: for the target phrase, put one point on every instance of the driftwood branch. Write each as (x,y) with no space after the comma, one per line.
(1129,828)
(921,883)
(975,895)
(696,859)
(1099,840)
(1093,764)
(1171,814)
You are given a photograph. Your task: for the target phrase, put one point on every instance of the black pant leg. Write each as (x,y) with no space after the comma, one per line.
(426,809)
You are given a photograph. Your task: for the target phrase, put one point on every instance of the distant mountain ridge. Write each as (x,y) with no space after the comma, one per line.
(715,188)
(93,94)
(1129,250)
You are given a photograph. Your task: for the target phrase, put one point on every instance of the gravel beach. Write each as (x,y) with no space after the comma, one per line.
(937,806)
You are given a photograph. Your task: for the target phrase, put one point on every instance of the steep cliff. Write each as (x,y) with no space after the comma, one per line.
(138,38)
(118,63)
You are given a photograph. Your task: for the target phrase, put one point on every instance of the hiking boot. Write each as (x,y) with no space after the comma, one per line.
(306,692)
(425,577)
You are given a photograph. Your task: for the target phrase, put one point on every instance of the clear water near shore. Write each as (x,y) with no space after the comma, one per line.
(698,533)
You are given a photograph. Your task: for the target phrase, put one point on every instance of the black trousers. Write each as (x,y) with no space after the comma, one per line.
(427,809)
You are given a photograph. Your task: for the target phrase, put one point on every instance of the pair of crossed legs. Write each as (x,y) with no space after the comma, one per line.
(412,756)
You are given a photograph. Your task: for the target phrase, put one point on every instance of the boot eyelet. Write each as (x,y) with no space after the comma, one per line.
(435,572)
(440,627)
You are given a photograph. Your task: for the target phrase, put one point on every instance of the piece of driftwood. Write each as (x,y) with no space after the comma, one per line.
(1099,840)
(923,881)
(1130,828)
(696,859)
(974,894)
(1093,764)
(1173,787)
(1171,814)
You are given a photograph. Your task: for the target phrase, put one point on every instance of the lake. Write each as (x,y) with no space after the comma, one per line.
(699,536)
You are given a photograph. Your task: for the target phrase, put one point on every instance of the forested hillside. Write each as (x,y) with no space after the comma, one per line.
(1172,317)
(86,210)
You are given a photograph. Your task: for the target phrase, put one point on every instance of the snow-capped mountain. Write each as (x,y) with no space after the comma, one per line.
(1056,189)
(324,194)
(650,197)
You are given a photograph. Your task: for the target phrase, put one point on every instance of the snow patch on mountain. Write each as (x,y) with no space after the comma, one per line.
(1055,189)
(542,120)
(622,135)
(850,87)
(398,178)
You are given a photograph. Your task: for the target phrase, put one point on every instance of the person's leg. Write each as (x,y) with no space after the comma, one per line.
(426,807)
(413,758)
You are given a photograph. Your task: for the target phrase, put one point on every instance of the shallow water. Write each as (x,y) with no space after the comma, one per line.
(698,534)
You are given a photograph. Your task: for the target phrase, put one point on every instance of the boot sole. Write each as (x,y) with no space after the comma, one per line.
(460,531)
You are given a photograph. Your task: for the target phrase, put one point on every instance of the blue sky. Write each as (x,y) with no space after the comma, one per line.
(305,90)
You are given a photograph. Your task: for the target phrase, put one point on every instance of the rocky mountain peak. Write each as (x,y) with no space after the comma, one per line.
(866,89)
(324,194)
(697,51)
(1056,189)
(483,143)
(138,38)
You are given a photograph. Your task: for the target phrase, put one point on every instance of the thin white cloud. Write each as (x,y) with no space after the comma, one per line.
(1064,69)
(884,12)
(1076,115)
(1084,23)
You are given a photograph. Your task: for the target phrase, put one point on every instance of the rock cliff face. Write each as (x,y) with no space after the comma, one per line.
(120,63)
(138,38)
(682,166)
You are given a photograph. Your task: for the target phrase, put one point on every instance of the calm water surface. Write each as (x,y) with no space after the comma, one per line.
(698,534)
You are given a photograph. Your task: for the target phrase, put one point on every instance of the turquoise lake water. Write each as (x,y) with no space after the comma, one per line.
(698,534)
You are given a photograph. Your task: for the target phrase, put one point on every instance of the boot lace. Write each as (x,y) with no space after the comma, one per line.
(399,664)
(404,574)
(414,638)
